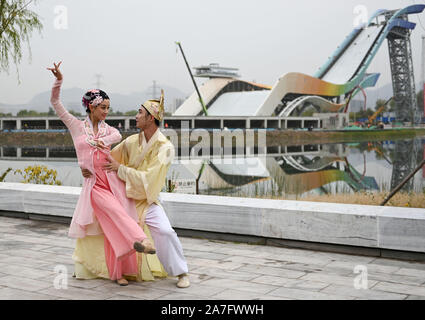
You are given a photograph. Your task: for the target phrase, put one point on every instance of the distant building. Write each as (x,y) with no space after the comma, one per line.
(213,70)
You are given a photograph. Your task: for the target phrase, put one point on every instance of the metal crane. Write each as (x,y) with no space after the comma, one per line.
(193,80)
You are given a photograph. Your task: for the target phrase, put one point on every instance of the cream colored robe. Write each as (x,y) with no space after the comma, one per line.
(144,169)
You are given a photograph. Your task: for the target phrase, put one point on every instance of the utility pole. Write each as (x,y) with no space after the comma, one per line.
(98,82)
(423,71)
(154,87)
(423,88)
(193,80)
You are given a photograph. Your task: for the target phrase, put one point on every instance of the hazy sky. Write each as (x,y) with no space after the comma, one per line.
(131,42)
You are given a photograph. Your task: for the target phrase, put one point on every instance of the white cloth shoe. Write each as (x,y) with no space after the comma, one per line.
(183,281)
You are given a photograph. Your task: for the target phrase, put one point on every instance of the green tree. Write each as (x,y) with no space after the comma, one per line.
(115,113)
(131,113)
(75,113)
(420,97)
(27,113)
(380,103)
(17,23)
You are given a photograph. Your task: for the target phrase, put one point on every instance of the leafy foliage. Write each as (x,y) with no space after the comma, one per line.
(4,174)
(17,23)
(39,175)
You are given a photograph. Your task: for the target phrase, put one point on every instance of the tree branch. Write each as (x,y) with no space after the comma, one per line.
(12,15)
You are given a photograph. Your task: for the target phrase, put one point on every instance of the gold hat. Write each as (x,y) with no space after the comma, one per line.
(156,107)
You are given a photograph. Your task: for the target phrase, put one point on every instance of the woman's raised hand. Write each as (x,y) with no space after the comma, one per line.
(56,72)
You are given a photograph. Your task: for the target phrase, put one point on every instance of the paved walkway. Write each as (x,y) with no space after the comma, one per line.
(31,250)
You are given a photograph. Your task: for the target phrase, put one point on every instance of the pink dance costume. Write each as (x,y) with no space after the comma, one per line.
(103,206)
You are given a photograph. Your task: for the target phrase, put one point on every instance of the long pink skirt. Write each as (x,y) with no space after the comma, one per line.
(120,230)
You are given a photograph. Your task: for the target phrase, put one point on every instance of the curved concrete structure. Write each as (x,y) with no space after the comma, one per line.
(347,67)
(211,90)
(342,76)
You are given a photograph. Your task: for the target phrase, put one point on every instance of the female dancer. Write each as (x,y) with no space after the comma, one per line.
(103,198)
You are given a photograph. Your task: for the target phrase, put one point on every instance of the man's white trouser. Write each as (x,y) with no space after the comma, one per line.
(168,247)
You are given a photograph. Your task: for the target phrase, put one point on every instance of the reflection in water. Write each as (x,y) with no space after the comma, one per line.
(408,155)
(284,172)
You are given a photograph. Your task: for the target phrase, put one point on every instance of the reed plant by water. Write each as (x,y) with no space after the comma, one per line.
(402,199)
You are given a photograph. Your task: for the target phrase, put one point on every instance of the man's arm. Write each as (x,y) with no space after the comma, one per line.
(146,184)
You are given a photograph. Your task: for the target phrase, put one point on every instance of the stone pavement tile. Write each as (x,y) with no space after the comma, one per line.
(63,242)
(280,261)
(2,256)
(208,273)
(371,268)
(192,241)
(205,254)
(396,278)
(239,285)
(72,293)
(27,238)
(9,230)
(213,248)
(400,288)
(58,238)
(84,284)
(310,260)
(299,294)
(305,284)
(27,253)
(344,257)
(121,297)
(196,277)
(27,284)
(291,283)
(134,290)
(34,247)
(56,269)
(335,270)
(22,261)
(59,250)
(76,283)
(57,258)
(272,271)
(255,261)
(9,245)
(13,221)
(334,279)
(283,250)
(226,245)
(25,272)
(233,250)
(413,297)
(15,294)
(231,294)
(200,262)
(182,296)
(303,259)
(367,294)
(399,263)
(198,289)
(411,272)
(22,229)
